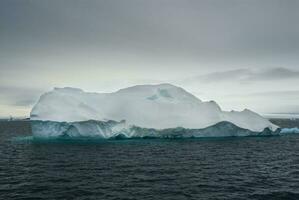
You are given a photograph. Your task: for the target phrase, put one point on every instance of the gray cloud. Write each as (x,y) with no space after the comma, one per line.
(25,102)
(248,75)
(101,45)
(275,74)
(286,94)
(282,101)
(19,96)
(202,31)
(271,96)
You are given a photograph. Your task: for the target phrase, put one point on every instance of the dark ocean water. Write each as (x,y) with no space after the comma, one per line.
(221,168)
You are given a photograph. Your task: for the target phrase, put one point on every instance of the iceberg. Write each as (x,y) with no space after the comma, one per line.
(162,110)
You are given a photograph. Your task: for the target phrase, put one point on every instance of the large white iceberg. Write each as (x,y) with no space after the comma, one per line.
(162,110)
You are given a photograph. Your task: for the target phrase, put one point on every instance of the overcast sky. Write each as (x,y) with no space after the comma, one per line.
(240,53)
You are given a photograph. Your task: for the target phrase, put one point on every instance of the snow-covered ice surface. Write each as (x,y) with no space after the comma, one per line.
(140,111)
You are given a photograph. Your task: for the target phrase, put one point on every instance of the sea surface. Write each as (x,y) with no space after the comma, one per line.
(218,168)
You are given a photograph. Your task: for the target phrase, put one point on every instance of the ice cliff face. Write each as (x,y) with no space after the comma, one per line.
(156,107)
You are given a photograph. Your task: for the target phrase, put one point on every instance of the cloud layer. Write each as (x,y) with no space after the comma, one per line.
(248,75)
(101,45)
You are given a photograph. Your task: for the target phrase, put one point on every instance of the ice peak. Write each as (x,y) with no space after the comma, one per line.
(159,92)
(150,87)
(248,111)
(67,89)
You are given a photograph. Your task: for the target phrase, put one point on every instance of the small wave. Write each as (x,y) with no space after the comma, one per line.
(33,139)
(277,195)
(23,139)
